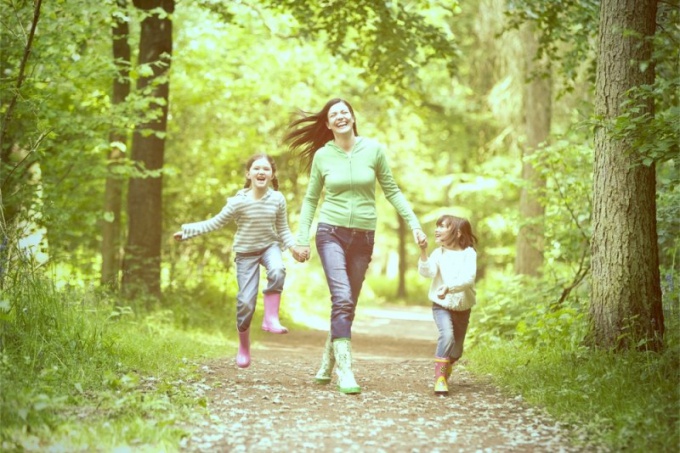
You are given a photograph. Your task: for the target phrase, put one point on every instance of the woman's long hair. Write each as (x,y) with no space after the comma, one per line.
(308,133)
(270,159)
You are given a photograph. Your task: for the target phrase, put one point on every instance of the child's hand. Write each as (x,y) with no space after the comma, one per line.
(300,254)
(177,236)
(441,291)
(420,237)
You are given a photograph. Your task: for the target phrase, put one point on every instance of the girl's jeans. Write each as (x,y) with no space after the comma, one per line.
(248,276)
(345,254)
(452,326)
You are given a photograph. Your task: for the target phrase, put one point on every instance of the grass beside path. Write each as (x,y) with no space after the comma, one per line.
(82,373)
(624,401)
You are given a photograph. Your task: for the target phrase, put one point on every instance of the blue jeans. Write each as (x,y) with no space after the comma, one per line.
(452,326)
(248,277)
(345,254)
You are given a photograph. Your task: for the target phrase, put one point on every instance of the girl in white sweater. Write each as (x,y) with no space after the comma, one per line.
(453,268)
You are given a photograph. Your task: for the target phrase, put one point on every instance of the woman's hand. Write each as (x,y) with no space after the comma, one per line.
(177,236)
(420,237)
(441,291)
(300,253)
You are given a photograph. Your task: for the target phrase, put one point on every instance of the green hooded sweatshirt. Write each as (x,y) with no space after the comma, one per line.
(348,180)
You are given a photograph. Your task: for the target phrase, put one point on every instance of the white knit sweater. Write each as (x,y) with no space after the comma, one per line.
(457,269)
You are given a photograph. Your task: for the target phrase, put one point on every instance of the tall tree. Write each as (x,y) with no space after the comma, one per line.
(141,267)
(537,118)
(626,294)
(20,175)
(111,238)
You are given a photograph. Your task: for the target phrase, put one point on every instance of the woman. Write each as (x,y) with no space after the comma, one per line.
(345,166)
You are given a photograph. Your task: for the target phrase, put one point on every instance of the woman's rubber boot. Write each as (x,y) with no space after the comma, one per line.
(270,322)
(243,355)
(342,350)
(323,376)
(440,385)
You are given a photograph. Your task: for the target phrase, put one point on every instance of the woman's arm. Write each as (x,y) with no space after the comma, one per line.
(309,204)
(282,227)
(392,192)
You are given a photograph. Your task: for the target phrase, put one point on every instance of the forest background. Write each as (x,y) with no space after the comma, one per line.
(551,125)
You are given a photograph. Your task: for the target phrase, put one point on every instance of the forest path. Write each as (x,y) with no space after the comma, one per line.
(274,405)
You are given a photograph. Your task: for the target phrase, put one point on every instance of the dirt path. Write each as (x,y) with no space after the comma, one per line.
(275,406)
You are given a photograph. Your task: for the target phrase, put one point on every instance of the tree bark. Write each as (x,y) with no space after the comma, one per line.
(626,307)
(537,119)
(141,267)
(113,194)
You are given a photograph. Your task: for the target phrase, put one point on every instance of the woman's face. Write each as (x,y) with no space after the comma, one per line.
(340,119)
(260,173)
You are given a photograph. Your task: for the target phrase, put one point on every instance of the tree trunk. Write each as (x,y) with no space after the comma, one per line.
(401,287)
(537,119)
(141,268)
(626,293)
(113,195)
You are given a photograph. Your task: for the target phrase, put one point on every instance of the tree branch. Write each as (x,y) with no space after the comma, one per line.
(20,80)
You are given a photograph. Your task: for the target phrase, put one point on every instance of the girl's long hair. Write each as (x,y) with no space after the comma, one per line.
(253,158)
(456,224)
(308,133)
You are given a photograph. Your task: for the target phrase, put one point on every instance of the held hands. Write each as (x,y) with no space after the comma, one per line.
(420,238)
(300,253)
(442,291)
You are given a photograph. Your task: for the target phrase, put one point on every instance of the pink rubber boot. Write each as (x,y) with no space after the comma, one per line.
(243,355)
(440,366)
(270,322)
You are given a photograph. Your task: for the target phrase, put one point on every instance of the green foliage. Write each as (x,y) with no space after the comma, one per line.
(528,310)
(389,41)
(565,28)
(650,121)
(566,167)
(208,306)
(382,289)
(79,371)
(239,70)
(668,221)
(653,137)
(61,121)
(619,402)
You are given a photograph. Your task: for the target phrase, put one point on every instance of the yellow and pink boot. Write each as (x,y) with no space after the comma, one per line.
(442,371)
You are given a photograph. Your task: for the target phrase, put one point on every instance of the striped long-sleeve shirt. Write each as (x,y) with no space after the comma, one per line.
(260,223)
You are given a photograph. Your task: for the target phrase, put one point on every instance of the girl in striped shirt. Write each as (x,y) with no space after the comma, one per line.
(262,231)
